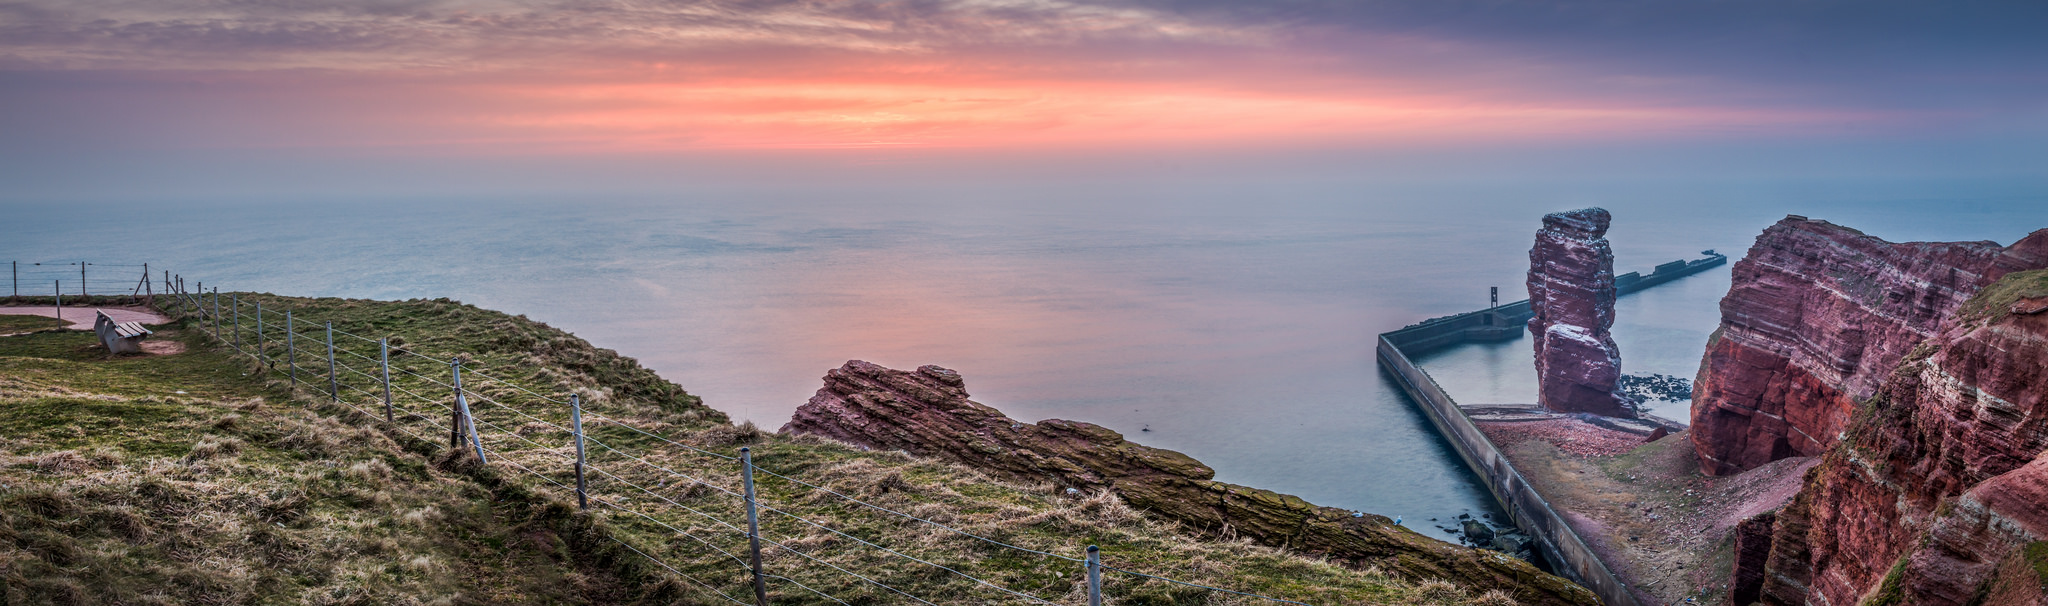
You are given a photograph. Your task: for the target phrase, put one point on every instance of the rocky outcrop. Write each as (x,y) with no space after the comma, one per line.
(1817,317)
(1939,486)
(1752,552)
(927,412)
(1571,291)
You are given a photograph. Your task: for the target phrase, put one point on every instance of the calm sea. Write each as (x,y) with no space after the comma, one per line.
(1237,329)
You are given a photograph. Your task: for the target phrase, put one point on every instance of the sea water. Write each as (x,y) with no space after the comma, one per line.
(1234,326)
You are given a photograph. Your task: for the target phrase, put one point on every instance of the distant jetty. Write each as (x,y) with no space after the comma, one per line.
(1554,539)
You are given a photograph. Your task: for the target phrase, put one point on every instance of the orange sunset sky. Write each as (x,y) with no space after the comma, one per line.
(182,81)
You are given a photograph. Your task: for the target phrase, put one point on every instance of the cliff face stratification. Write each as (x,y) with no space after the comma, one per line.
(1571,291)
(927,412)
(1817,318)
(1939,490)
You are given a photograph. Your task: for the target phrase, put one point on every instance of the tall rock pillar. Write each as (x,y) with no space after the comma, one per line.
(1571,290)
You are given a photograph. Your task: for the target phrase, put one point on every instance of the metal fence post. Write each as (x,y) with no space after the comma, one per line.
(576,422)
(753,526)
(235,306)
(384,361)
(291,349)
(16,265)
(333,386)
(1094,576)
(462,417)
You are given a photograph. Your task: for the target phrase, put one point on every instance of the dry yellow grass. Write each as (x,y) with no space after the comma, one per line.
(251,490)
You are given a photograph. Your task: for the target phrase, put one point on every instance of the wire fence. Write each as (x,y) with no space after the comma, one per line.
(707,502)
(77,279)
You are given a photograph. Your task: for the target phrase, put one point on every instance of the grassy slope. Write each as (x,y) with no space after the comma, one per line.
(674,512)
(116,488)
(11,324)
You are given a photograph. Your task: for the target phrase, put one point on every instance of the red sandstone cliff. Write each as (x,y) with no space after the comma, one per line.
(927,412)
(1571,291)
(1939,494)
(1817,317)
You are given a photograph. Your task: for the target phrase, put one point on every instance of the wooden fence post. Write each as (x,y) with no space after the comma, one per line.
(333,385)
(1094,576)
(576,422)
(462,417)
(753,526)
(262,345)
(384,361)
(291,349)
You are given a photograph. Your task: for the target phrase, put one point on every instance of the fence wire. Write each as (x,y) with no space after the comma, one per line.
(205,307)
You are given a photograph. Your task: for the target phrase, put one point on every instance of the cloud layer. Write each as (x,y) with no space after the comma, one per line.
(637,75)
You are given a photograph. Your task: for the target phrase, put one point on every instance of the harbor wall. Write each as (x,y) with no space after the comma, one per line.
(1527,508)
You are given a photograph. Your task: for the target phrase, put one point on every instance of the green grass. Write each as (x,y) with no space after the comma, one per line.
(2036,555)
(10,324)
(1996,300)
(114,488)
(247,445)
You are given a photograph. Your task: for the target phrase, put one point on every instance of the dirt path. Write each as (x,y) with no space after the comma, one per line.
(81,318)
(1650,514)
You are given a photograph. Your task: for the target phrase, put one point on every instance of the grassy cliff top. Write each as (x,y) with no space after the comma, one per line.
(248,475)
(179,479)
(1996,300)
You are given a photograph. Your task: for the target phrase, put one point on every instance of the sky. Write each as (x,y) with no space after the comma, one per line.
(117,98)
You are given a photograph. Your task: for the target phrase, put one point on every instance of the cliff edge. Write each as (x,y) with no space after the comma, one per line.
(927,412)
(1816,319)
(1938,494)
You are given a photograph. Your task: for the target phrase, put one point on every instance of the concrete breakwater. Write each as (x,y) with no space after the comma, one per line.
(1559,544)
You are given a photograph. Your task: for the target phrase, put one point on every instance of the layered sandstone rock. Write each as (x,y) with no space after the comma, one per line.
(1817,317)
(1571,291)
(1939,489)
(927,412)
(1752,553)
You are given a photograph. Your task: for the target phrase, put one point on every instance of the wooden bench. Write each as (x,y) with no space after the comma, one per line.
(119,337)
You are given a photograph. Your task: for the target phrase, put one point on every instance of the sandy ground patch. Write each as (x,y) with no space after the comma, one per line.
(162,347)
(1650,514)
(1569,435)
(81,317)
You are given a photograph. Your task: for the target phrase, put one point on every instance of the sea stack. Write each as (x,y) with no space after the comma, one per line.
(1571,291)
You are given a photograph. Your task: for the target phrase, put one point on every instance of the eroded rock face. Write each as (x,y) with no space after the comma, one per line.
(1571,291)
(1752,552)
(1817,317)
(927,412)
(1939,485)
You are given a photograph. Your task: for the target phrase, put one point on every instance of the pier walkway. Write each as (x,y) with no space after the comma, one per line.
(1563,547)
